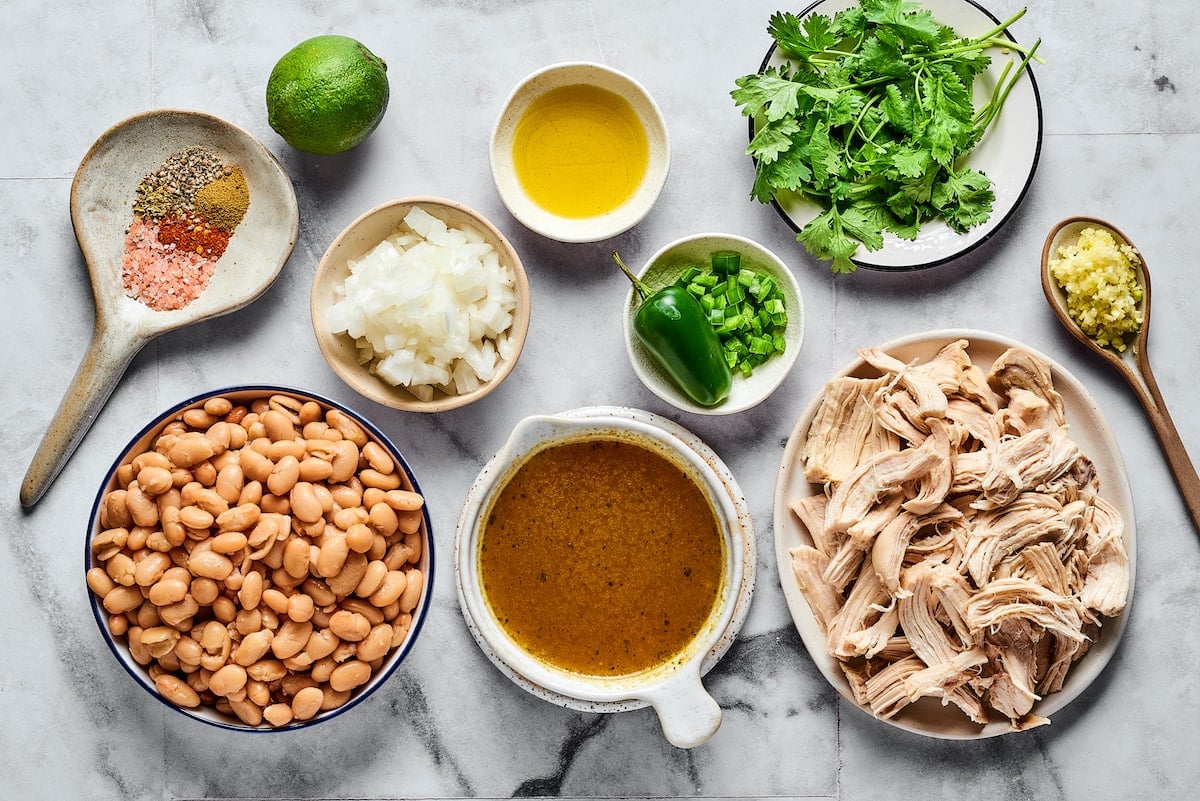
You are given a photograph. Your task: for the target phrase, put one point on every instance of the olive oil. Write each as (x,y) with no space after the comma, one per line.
(580,151)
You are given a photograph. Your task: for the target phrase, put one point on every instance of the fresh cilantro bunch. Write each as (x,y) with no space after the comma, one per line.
(871,116)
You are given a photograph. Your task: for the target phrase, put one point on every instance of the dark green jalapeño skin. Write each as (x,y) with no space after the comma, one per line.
(672,326)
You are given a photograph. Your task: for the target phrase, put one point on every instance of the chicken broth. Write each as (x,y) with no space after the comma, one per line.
(601,557)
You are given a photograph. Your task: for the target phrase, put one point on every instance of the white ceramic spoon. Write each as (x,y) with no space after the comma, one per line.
(102,198)
(1133,363)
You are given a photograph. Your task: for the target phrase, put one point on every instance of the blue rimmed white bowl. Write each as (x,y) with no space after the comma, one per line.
(244,395)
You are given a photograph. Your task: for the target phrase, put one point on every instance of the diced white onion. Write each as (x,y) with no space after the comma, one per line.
(429,307)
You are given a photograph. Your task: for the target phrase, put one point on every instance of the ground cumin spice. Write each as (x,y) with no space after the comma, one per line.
(224,201)
(184,214)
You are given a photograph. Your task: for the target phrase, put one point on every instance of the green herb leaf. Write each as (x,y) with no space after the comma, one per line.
(790,171)
(910,162)
(880,57)
(914,25)
(772,139)
(964,199)
(802,39)
(770,93)
(950,129)
(826,238)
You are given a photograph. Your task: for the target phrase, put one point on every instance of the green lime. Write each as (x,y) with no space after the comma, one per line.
(327,94)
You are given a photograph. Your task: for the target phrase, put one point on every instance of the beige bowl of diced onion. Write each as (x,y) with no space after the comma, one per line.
(421,304)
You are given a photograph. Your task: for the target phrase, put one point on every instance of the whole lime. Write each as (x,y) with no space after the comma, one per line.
(327,94)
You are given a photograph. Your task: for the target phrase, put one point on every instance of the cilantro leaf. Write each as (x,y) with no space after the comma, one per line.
(971,63)
(905,229)
(950,129)
(763,190)
(864,220)
(909,161)
(823,156)
(914,25)
(881,57)
(825,237)
(845,107)
(773,138)
(964,199)
(790,171)
(850,23)
(778,96)
(823,93)
(900,108)
(910,194)
(802,39)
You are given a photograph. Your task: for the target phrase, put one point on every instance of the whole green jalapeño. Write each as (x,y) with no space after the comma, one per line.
(673,327)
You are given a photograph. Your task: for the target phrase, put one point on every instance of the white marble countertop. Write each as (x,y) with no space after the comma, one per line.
(1120,90)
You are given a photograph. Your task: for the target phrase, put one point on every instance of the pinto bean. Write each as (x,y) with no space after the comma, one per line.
(349,675)
(391,588)
(176,691)
(228,679)
(349,626)
(412,591)
(283,476)
(307,703)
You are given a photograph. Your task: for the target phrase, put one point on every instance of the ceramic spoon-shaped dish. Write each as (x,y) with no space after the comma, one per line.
(1134,362)
(102,198)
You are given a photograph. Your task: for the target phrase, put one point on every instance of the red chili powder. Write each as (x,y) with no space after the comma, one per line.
(193,234)
(160,275)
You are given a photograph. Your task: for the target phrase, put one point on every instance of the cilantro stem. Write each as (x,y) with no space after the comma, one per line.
(865,84)
(972,46)
(993,107)
(983,115)
(994,37)
(856,128)
(1002,27)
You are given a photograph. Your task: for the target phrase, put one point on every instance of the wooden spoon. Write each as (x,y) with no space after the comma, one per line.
(1133,363)
(102,197)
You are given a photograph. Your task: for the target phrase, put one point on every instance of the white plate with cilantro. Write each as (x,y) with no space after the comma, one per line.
(876,162)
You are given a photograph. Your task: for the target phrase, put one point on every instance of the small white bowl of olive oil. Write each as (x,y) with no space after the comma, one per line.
(580,152)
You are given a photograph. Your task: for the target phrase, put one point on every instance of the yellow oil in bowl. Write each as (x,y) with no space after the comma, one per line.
(580,151)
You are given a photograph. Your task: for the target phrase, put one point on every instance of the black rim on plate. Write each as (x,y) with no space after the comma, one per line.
(865,263)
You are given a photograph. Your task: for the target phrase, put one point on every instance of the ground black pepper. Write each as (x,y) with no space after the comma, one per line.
(172,188)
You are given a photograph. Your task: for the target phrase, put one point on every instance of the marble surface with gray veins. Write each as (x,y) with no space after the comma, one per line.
(1121,89)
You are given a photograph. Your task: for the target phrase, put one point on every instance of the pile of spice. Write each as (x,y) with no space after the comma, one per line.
(183,216)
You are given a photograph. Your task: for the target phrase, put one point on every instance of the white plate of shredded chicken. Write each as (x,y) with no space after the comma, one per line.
(955,534)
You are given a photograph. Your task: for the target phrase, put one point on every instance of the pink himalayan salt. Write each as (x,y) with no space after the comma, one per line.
(157,274)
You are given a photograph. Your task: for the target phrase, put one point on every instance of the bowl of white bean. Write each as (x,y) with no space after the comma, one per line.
(259,558)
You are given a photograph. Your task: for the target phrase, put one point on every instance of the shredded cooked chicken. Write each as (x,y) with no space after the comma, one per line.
(960,547)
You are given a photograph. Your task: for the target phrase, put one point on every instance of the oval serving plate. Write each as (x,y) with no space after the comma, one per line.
(744,593)
(1008,152)
(1090,432)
